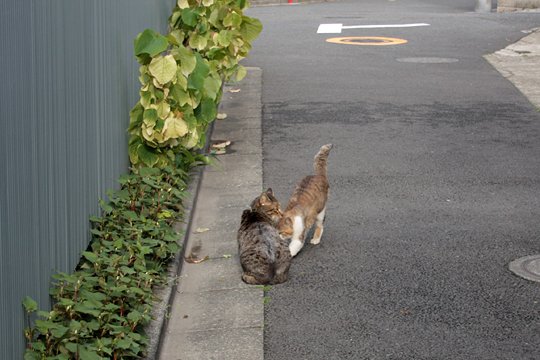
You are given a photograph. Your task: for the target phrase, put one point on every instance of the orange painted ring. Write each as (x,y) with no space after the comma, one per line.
(367,41)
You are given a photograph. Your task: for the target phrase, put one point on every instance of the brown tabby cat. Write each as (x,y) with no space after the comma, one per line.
(264,255)
(268,204)
(307,205)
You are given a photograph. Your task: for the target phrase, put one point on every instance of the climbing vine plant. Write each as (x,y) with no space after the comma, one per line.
(181,76)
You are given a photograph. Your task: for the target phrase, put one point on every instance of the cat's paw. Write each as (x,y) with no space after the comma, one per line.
(295,246)
(249,279)
(315,241)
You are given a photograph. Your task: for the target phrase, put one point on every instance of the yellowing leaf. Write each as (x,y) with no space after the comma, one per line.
(182,4)
(208,2)
(187,59)
(224,38)
(197,41)
(156,83)
(150,117)
(192,140)
(163,68)
(232,19)
(181,80)
(184,98)
(174,127)
(163,110)
(147,132)
(221,144)
(241,73)
(146,98)
(176,37)
(158,137)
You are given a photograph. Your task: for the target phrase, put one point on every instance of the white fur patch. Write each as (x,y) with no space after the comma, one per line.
(296,243)
(295,246)
(320,219)
(320,216)
(298,228)
(316,241)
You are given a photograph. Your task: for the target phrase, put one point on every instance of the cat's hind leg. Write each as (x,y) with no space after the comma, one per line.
(318,228)
(283,264)
(249,279)
(297,241)
(280,278)
(256,280)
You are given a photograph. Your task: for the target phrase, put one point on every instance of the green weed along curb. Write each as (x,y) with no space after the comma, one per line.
(101,309)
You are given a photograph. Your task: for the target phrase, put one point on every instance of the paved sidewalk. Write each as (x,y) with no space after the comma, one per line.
(214,315)
(520,64)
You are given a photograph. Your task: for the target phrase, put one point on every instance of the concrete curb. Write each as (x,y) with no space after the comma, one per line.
(165,294)
(255,3)
(214,315)
(519,64)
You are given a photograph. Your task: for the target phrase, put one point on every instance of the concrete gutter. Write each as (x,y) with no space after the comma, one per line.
(214,315)
(520,63)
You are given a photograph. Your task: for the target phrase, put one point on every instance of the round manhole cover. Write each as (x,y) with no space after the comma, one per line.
(527,267)
(428,60)
(367,40)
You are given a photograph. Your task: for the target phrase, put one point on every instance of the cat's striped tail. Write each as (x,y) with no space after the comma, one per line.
(319,165)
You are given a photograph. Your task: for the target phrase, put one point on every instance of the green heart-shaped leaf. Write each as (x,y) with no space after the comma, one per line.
(150,42)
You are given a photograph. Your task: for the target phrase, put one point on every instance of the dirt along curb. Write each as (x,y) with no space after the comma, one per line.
(164,294)
(213,314)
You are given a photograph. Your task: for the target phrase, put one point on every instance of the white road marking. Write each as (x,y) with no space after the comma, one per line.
(337,28)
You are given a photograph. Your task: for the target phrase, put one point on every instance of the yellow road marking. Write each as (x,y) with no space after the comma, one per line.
(366,40)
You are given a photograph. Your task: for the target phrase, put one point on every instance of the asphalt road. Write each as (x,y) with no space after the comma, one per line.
(435,183)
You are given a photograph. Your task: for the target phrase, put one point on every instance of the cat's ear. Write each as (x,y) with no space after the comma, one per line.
(269,192)
(263,199)
(288,221)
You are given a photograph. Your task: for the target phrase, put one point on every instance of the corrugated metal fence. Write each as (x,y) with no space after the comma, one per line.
(68,81)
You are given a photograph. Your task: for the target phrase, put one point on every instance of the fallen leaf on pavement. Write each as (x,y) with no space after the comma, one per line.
(221,116)
(405,312)
(201,230)
(193,259)
(221,144)
(234,90)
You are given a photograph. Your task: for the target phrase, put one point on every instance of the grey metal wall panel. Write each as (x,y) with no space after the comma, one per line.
(69,81)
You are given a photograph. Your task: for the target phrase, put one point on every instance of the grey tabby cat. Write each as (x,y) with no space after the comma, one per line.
(264,256)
